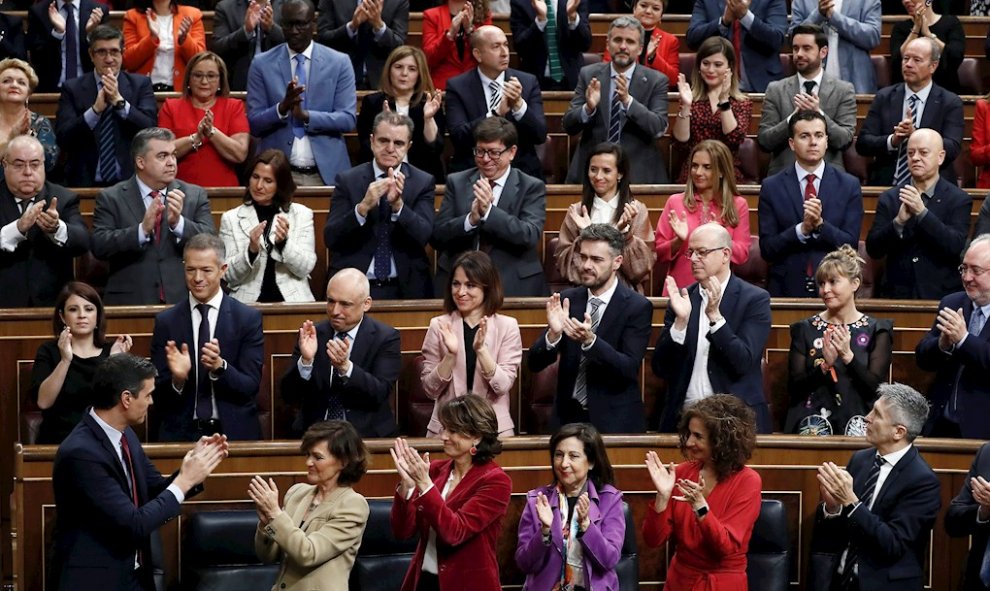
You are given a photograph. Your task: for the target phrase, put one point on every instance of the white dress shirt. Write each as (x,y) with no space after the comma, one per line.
(700,386)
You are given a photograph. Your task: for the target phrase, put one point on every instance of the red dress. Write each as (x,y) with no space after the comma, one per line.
(206,167)
(442,55)
(711,554)
(707,125)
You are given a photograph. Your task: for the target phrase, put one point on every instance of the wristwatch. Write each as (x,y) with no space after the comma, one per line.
(120,104)
(701,511)
(725,106)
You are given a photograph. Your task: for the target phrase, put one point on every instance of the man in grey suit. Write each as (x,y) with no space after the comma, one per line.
(495,208)
(811,88)
(243,29)
(853,30)
(141,225)
(621,102)
(367,31)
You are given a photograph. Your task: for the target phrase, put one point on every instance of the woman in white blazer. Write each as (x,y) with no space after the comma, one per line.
(271,248)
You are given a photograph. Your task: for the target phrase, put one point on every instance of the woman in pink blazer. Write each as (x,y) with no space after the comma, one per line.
(472,348)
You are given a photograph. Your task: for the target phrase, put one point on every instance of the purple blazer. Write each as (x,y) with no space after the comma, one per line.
(601,543)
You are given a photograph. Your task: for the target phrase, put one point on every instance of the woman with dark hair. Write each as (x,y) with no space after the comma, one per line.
(710,196)
(489,363)
(407,89)
(447,37)
(211,129)
(62,377)
(578,517)
(457,505)
(317,535)
(271,248)
(837,357)
(607,199)
(711,514)
(161,36)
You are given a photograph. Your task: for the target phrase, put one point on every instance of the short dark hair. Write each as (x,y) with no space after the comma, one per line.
(805,115)
(821,37)
(305,3)
(479,268)
(86,292)
(105,33)
(494,129)
(394,119)
(605,233)
(731,426)
(117,374)
(474,416)
(139,145)
(285,186)
(601,472)
(207,241)
(344,443)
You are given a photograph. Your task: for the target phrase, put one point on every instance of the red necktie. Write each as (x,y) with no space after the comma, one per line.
(155,195)
(810,193)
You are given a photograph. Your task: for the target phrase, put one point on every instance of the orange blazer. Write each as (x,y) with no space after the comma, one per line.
(140,46)
(665,58)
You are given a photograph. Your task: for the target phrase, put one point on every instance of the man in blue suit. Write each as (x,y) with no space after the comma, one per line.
(208,351)
(599,331)
(60,46)
(807,210)
(714,333)
(301,99)
(755,28)
(108,495)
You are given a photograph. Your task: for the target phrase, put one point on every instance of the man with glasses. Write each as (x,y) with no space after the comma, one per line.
(714,333)
(496,208)
(40,229)
(957,349)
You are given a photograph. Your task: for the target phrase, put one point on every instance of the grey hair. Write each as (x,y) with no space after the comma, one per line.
(907,407)
(985,237)
(628,22)
(604,233)
(207,241)
(139,145)
(24,139)
(394,119)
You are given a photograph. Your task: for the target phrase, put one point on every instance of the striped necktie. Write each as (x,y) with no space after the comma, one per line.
(581,381)
(852,555)
(496,91)
(902,173)
(553,53)
(615,118)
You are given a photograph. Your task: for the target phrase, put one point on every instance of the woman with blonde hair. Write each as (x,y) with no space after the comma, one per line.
(17,82)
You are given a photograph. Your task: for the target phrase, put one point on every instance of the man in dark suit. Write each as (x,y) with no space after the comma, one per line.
(714,333)
(969,517)
(620,102)
(920,227)
(141,225)
(876,515)
(57,37)
(345,367)
(495,90)
(607,329)
(108,495)
(12,37)
(367,31)
(99,114)
(382,216)
(40,229)
(806,211)
(898,110)
(550,37)
(243,29)
(957,349)
(208,349)
(496,208)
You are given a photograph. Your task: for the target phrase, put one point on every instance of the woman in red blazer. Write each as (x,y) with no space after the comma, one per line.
(662,50)
(161,37)
(447,37)
(979,150)
(456,505)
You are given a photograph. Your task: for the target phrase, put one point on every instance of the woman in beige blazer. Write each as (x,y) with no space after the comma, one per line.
(271,248)
(472,348)
(318,533)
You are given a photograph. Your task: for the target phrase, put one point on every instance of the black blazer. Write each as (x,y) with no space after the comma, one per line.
(231,43)
(921,263)
(353,245)
(46,51)
(531,43)
(890,538)
(365,394)
(423,155)
(960,521)
(12,42)
(35,272)
(615,402)
(78,141)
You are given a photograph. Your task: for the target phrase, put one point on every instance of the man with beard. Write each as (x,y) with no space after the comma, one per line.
(599,331)
(810,89)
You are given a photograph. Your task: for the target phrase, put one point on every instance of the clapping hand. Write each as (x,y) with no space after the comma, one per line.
(408,460)
(479,337)
(307,342)
(836,483)
(579,215)
(254,237)
(210,355)
(149,13)
(122,344)
(622,89)
(980,489)
(678,224)
(544,512)
(173,202)
(447,336)
(265,497)
(179,363)
(679,302)
(540,8)
(431,106)
(56,19)
(338,350)
(483,198)
(582,510)
(663,479)
(48,217)
(714,290)
(684,94)
(557,314)
(952,328)
(184,28)
(592,95)
(65,344)
(281,230)
(625,222)
(692,492)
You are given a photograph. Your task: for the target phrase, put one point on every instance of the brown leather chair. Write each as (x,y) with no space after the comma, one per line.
(965,169)
(871,272)
(755,270)
(971,76)
(414,408)
(555,280)
(537,405)
(856,165)
(881,68)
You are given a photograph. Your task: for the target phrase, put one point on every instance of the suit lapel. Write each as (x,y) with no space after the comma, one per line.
(932,108)
(794,188)
(133,200)
(616,306)
(101,436)
(247,219)
(510,192)
(605,101)
(892,478)
(9,211)
(362,342)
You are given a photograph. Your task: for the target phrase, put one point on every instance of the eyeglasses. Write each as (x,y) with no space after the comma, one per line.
(297,24)
(493,154)
(211,76)
(700,252)
(976,271)
(20,165)
(104,52)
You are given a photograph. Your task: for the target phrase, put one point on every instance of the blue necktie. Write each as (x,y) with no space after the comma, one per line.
(335,405)
(71,43)
(902,173)
(106,146)
(976,322)
(615,118)
(383,232)
(298,129)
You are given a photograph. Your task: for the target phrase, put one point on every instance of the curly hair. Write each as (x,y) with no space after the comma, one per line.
(731,427)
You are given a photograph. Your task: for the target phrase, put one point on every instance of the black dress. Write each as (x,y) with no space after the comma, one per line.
(76,394)
(851,391)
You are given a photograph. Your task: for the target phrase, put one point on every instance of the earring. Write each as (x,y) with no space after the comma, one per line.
(473,451)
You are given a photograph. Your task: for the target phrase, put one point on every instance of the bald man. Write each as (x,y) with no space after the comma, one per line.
(921,227)
(345,367)
(714,333)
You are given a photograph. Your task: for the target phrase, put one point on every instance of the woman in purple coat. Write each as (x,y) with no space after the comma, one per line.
(578,516)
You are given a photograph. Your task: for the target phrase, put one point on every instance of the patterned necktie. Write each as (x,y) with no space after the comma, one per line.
(298,128)
(615,117)
(553,53)
(976,322)
(204,402)
(383,232)
(865,498)
(496,91)
(335,405)
(71,43)
(581,382)
(155,195)
(106,146)
(902,173)
(809,86)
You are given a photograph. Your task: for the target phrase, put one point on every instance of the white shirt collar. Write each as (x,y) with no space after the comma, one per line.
(628,73)
(606,296)
(377,169)
(922,94)
(352,333)
(213,302)
(894,457)
(611,206)
(145,189)
(308,52)
(817,79)
(818,172)
(486,81)
(500,181)
(112,433)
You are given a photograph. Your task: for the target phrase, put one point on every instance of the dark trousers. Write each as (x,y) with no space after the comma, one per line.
(428,582)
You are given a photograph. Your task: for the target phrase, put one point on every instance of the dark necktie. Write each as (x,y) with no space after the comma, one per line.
(615,117)
(204,401)
(71,43)
(484,244)
(24,204)
(335,405)
(902,173)
(553,53)
(496,91)
(383,232)
(810,193)
(809,86)
(126,449)
(106,146)
(865,498)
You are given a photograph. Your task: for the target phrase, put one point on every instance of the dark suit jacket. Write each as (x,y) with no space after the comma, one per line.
(366,52)
(615,401)
(35,272)
(734,357)
(231,42)
(46,51)
(513,230)
(890,538)
(365,394)
(466,107)
(242,345)
(921,263)
(78,141)
(943,113)
(137,270)
(969,365)
(960,521)
(353,245)
(423,155)
(782,208)
(12,43)
(531,43)
(98,529)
